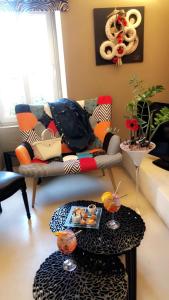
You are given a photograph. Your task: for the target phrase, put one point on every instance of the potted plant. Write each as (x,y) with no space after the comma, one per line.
(141,121)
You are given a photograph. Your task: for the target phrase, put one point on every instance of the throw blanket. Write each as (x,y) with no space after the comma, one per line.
(72,122)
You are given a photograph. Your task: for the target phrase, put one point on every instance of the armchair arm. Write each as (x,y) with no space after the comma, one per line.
(23,155)
(114,145)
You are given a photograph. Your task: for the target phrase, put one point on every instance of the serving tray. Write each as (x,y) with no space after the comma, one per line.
(69,222)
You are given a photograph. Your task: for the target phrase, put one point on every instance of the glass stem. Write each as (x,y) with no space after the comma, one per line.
(137,188)
(113,220)
(137,180)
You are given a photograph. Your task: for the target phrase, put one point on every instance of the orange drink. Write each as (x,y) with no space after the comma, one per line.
(66,241)
(112,204)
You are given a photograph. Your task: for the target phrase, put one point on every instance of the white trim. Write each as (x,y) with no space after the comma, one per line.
(53,42)
(61,53)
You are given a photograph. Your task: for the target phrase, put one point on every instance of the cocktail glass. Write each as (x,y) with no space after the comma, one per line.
(67,243)
(112,205)
(137,156)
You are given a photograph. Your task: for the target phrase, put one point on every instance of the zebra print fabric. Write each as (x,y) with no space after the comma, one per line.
(34,5)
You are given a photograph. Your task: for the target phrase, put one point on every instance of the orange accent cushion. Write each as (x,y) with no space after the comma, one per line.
(101,129)
(22,155)
(65,148)
(26,121)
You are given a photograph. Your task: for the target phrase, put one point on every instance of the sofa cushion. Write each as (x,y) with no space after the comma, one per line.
(30,117)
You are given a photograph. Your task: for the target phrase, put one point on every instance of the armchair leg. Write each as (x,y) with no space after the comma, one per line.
(0,208)
(35,181)
(103,172)
(112,178)
(25,199)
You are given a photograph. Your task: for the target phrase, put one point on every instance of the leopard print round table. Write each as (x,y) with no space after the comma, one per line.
(104,240)
(97,277)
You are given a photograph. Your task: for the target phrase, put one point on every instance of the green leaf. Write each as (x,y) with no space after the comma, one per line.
(139,106)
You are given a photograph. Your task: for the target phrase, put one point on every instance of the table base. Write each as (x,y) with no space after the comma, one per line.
(52,282)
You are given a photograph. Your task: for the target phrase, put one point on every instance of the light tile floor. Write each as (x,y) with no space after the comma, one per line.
(25,245)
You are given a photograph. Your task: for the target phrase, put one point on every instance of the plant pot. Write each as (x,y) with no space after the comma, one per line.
(137,155)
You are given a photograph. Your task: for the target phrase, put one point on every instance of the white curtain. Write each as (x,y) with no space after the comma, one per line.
(29,61)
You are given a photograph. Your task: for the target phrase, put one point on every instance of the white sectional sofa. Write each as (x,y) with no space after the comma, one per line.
(153,183)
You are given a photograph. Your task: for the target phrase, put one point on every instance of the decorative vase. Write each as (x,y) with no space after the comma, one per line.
(137,156)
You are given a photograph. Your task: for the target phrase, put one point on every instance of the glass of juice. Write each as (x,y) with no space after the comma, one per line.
(111,204)
(67,243)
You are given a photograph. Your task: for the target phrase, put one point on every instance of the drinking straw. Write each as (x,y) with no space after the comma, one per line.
(76,233)
(123,196)
(117,188)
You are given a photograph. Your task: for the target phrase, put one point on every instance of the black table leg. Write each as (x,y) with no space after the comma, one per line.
(131,265)
(0,208)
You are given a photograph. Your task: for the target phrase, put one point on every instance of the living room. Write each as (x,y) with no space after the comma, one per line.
(26,244)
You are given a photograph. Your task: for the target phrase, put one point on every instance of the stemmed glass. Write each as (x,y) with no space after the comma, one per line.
(112,204)
(67,243)
(137,156)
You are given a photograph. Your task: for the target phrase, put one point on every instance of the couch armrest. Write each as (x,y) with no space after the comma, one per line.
(114,145)
(22,155)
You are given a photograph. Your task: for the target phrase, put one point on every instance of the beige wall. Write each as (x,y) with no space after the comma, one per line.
(85,79)
(9,140)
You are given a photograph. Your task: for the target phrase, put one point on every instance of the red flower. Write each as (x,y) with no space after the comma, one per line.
(124,22)
(115,59)
(120,50)
(119,19)
(119,41)
(132,124)
(120,35)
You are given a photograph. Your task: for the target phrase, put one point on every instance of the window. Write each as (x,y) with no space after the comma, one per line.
(29,63)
